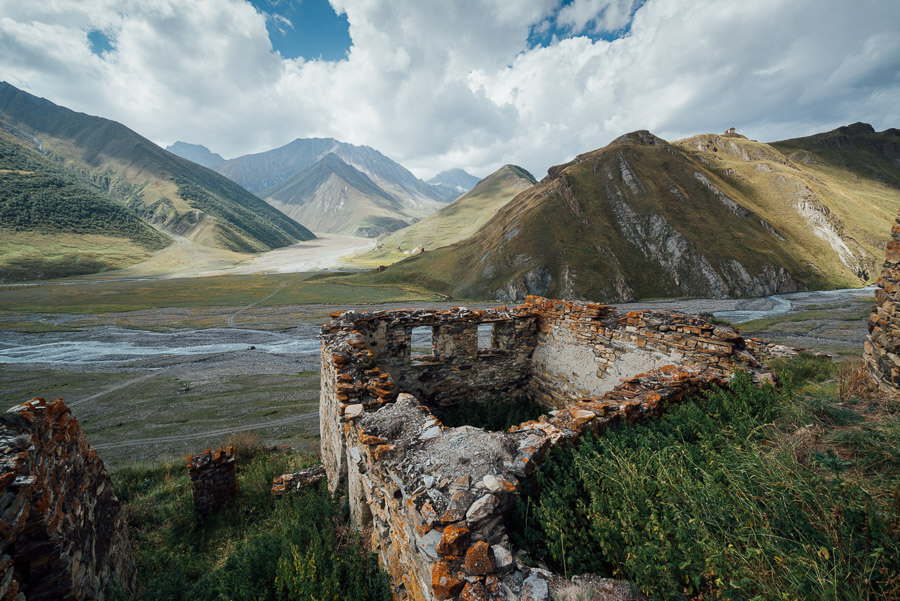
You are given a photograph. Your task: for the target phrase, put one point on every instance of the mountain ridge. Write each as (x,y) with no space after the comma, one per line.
(456,221)
(712,215)
(197,153)
(148,179)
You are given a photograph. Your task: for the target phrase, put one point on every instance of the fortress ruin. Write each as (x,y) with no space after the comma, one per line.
(430,499)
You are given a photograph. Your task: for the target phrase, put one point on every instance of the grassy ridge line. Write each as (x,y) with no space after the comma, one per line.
(642,218)
(218,291)
(144,175)
(39,195)
(457,221)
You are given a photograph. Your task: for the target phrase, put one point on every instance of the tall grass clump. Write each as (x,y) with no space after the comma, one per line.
(257,548)
(717,500)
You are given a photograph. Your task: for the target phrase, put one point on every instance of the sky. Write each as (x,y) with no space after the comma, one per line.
(475,84)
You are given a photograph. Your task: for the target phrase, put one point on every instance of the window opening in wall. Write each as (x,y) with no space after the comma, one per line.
(485,336)
(421,342)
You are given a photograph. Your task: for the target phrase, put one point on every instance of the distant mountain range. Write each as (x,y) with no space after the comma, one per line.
(708,216)
(455,181)
(331,186)
(196,152)
(456,221)
(173,194)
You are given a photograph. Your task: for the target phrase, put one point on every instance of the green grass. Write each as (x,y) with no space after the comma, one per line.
(747,494)
(216,291)
(256,548)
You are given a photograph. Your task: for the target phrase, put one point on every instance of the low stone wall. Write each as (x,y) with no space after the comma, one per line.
(432,499)
(881,351)
(213,479)
(63,536)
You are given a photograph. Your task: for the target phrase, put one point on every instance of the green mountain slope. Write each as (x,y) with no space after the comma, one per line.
(711,216)
(457,221)
(169,191)
(54,223)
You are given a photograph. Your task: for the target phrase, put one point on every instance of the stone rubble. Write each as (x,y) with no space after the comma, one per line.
(434,498)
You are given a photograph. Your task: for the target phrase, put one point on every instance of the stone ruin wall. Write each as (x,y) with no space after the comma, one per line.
(881,351)
(431,500)
(62,536)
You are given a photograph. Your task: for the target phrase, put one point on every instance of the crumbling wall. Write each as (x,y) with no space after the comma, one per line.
(881,351)
(213,479)
(586,349)
(432,499)
(63,536)
(457,369)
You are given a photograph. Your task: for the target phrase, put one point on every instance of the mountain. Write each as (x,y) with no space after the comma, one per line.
(197,153)
(168,191)
(54,223)
(454,182)
(268,174)
(710,216)
(457,221)
(332,196)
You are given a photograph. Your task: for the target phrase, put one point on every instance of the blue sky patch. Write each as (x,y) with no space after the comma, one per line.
(547,32)
(100,42)
(306,28)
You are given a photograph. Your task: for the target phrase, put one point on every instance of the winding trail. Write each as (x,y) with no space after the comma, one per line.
(113,388)
(218,432)
(251,305)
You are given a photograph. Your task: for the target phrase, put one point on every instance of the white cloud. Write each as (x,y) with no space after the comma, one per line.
(438,84)
(601,15)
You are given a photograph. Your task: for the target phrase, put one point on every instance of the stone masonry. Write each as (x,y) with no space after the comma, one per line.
(213,479)
(881,351)
(62,536)
(432,499)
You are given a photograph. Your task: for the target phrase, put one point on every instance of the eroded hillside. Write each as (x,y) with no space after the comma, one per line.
(709,216)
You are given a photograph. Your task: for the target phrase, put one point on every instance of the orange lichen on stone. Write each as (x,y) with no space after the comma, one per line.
(479,559)
(445,581)
(454,541)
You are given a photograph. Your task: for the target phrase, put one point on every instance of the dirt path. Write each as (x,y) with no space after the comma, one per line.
(312,415)
(111,389)
(251,305)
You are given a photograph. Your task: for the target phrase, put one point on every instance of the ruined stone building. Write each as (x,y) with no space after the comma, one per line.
(882,348)
(431,499)
(62,536)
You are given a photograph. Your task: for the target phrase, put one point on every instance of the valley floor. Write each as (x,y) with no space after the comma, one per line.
(160,383)
(185,258)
